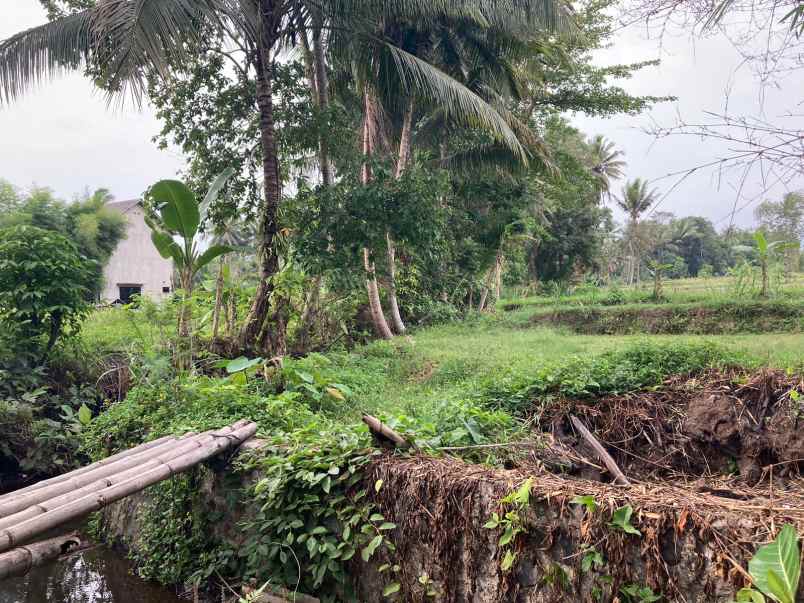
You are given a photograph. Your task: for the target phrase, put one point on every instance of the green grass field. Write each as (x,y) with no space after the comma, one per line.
(688,290)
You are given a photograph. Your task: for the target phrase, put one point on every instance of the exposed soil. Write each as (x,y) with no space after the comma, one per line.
(714,462)
(709,425)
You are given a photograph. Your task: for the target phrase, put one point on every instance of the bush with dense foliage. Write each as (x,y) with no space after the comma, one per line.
(44,287)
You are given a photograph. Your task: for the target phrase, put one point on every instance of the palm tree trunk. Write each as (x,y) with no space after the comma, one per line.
(405,141)
(307,319)
(268,223)
(631,262)
(216,314)
(377,315)
(498,277)
(396,316)
(231,314)
(322,89)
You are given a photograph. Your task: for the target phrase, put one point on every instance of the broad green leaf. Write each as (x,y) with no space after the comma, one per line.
(215,188)
(241,364)
(210,254)
(369,549)
(778,589)
(508,560)
(177,206)
(391,589)
(622,519)
(378,485)
(84,415)
(776,567)
(167,247)
(749,595)
(762,242)
(587,501)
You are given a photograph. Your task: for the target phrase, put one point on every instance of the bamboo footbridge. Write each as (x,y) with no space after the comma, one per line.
(33,512)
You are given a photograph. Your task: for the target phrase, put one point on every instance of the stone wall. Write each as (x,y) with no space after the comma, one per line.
(689,549)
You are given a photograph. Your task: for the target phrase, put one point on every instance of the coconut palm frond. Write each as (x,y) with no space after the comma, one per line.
(490,159)
(636,199)
(120,42)
(421,78)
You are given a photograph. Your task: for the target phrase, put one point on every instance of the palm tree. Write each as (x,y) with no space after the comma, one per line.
(123,43)
(636,200)
(606,163)
(473,55)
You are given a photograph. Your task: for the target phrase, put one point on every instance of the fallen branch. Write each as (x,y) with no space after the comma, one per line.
(384,435)
(602,453)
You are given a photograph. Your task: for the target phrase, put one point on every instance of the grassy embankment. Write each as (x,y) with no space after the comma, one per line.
(459,384)
(715,306)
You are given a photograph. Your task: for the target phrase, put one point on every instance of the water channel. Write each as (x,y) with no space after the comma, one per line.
(97,575)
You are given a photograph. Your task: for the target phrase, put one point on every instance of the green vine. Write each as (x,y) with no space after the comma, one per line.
(511,522)
(175,530)
(313,515)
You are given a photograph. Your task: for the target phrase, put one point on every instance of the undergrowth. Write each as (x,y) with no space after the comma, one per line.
(639,366)
(307,514)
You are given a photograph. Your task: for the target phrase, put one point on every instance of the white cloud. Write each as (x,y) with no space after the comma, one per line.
(700,73)
(64,136)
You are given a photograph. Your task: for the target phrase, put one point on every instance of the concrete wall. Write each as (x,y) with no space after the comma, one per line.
(136,261)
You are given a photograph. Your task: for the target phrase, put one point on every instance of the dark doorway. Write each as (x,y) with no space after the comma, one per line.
(127,291)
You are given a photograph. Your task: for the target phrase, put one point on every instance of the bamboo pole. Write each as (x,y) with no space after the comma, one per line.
(107,461)
(26,530)
(72,484)
(50,503)
(20,561)
(384,435)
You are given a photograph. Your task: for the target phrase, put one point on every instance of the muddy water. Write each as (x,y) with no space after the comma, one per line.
(98,575)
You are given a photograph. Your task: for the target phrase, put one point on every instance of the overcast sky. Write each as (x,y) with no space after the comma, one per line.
(64,136)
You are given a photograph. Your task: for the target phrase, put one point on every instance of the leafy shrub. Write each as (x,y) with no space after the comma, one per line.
(193,404)
(177,533)
(313,514)
(44,285)
(615,297)
(40,423)
(641,365)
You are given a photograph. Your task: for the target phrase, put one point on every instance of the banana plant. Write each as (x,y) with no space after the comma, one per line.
(765,252)
(175,226)
(658,269)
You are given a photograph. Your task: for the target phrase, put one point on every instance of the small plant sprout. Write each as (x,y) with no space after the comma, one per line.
(587,501)
(634,593)
(592,559)
(511,522)
(621,519)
